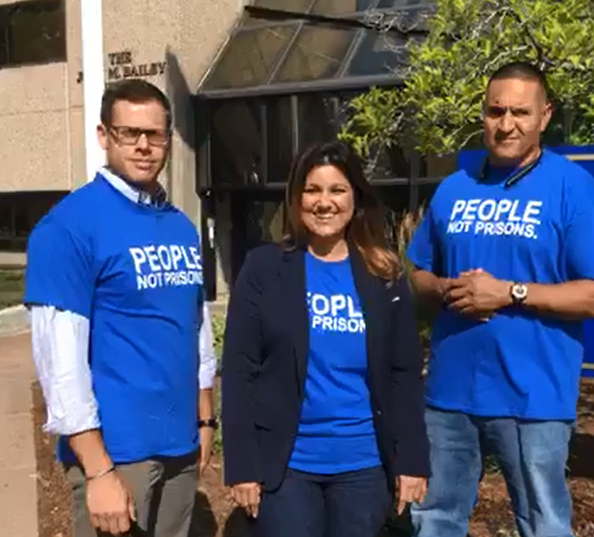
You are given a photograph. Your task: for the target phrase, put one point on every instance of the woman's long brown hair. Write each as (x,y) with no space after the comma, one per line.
(366,229)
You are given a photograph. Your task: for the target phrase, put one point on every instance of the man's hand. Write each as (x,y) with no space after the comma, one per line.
(477,294)
(110,504)
(206,437)
(247,495)
(410,490)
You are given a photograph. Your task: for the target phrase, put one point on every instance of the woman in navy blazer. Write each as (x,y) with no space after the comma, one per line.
(322,391)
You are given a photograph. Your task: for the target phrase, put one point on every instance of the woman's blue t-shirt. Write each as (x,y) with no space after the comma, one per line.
(336,432)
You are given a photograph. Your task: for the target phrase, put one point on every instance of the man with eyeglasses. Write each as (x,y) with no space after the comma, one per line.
(505,251)
(114,285)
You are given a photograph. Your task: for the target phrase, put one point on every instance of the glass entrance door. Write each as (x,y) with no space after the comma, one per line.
(256,219)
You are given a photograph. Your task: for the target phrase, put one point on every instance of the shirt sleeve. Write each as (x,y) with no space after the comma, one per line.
(579,226)
(423,250)
(208,359)
(59,269)
(60,343)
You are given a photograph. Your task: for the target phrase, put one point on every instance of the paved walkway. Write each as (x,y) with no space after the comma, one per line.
(18,484)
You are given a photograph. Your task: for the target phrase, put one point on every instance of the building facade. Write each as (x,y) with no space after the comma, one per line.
(284,80)
(170,43)
(251,82)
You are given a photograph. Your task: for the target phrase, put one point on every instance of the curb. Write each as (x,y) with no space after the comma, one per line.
(14,320)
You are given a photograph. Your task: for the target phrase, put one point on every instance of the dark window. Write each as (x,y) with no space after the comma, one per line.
(331,7)
(253,141)
(32,32)
(426,191)
(316,119)
(4,32)
(7,233)
(236,143)
(249,57)
(279,132)
(19,212)
(394,198)
(256,219)
(318,53)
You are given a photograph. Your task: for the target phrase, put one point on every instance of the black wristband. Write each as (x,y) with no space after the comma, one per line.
(210,422)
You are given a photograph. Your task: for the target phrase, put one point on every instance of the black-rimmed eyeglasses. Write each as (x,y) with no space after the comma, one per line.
(131,135)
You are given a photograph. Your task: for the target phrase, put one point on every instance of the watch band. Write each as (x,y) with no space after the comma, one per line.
(213,423)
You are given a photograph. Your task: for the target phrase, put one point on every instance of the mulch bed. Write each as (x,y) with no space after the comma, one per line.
(215,515)
(53,496)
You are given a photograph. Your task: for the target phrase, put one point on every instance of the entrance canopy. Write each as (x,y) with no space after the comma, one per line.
(284,46)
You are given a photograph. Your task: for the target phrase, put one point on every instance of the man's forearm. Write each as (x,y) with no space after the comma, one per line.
(428,286)
(205,404)
(90,452)
(570,300)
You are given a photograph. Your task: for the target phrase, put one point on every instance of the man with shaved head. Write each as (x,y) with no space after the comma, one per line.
(505,251)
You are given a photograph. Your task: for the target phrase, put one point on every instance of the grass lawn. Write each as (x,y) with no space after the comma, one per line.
(11,287)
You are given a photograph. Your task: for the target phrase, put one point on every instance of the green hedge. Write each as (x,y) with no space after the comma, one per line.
(12,285)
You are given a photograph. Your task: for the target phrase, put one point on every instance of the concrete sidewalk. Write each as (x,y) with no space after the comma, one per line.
(18,478)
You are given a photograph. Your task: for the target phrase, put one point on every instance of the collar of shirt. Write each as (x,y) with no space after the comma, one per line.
(158,199)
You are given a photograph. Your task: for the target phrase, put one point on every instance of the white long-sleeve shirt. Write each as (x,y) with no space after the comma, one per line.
(60,348)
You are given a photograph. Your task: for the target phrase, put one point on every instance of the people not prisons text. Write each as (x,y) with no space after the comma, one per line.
(496,217)
(335,313)
(166,266)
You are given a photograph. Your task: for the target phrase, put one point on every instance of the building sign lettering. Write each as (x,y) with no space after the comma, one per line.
(121,65)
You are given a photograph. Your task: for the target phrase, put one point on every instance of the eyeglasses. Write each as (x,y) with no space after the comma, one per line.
(131,135)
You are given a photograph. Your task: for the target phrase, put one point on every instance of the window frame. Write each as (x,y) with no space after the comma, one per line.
(413,178)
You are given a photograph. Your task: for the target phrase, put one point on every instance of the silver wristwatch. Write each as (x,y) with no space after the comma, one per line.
(518,292)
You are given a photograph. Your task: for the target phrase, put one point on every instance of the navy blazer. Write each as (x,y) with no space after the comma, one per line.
(265,361)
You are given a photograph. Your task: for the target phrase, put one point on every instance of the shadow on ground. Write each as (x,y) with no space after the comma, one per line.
(581,457)
(204,522)
(237,525)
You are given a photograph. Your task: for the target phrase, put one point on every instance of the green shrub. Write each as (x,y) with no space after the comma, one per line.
(218,330)
(12,284)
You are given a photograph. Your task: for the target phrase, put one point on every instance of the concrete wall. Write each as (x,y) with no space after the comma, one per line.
(173,42)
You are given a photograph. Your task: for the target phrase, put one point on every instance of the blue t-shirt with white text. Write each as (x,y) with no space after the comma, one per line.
(135,272)
(539,230)
(336,432)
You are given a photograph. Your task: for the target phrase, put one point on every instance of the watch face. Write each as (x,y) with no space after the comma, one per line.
(519,291)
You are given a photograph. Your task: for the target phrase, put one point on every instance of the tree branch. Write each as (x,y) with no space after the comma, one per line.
(543,61)
(504,54)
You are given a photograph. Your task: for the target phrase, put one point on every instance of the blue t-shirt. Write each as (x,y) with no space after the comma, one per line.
(336,432)
(135,272)
(539,230)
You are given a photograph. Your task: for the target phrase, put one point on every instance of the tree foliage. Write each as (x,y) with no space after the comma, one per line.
(437,108)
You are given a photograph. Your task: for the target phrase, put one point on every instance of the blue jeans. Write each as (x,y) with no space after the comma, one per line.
(531,454)
(350,504)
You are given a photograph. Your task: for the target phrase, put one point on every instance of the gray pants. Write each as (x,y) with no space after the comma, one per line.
(164,490)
